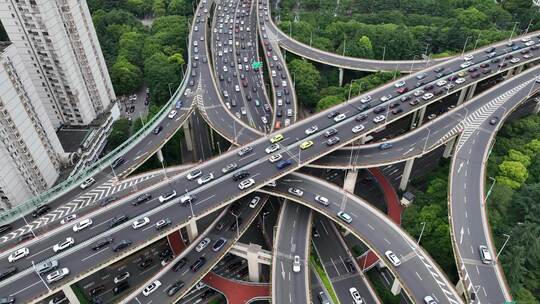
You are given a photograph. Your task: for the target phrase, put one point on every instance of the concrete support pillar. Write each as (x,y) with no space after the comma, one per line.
(396,287)
(70,295)
(462,95)
(537,106)
(350,180)
(159,155)
(460,288)
(187,135)
(341,76)
(192,230)
(509,73)
(449,148)
(254,268)
(519,69)
(420,116)
(472,88)
(406,174)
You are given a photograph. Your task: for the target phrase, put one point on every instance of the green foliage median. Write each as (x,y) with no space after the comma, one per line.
(316,263)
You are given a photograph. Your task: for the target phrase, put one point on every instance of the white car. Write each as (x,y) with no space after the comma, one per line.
(202,244)
(385,98)
(121,277)
(295,191)
(357,128)
(460,80)
(466,64)
(172,114)
(57,275)
(237,88)
(427,96)
(64,245)
(340,117)
(205,179)
(418,93)
(399,84)
(468,57)
(356,296)
(392,257)
(275,58)
(441,83)
(254,201)
(365,99)
(194,174)
(274,158)
(530,43)
(167,196)
(68,219)
(140,223)
(321,200)
(151,288)
(514,60)
(81,225)
(246,183)
(429,300)
(311,130)
(87,183)
(296,264)
(272,148)
(379,119)
(525,39)
(18,254)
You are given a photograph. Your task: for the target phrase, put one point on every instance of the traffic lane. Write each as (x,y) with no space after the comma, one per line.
(380,233)
(189,277)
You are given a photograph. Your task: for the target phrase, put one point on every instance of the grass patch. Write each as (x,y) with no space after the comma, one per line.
(79,292)
(314,260)
(384,293)
(357,251)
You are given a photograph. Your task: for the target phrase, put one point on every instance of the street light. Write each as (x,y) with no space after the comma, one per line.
(237,230)
(499,253)
(490,188)
(170,91)
(421,232)
(190,205)
(464,46)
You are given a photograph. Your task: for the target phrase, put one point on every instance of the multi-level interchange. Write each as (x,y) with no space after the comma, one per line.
(52,74)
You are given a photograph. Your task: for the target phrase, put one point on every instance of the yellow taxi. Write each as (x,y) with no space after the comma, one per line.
(306,144)
(276,138)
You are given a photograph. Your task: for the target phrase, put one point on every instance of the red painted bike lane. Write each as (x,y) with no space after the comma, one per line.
(237,292)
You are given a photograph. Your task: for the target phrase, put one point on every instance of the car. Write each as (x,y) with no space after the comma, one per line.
(178,104)
(205,179)
(141,199)
(276,138)
(493,121)
(246,183)
(314,232)
(296,264)
(360,117)
(87,183)
(139,223)
(357,128)
(402,90)
(311,130)
(514,60)
(96,290)
(68,219)
(295,191)
(485,255)
(345,217)
(57,275)
(230,167)
(427,96)
(332,141)
(83,224)
(429,300)
(421,76)
(180,264)
(385,146)
(202,244)
(468,57)
(322,200)
(198,264)
(162,223)
(466,64)
(330,132)
(26,236)
(397,111)
(117,220)
(323,298)
(7,300)
(123,244)
(121,277)
(356,296)
(167,196)
(340,117)
(106,200)
(379,118)
(148,290)
(240,175)
(333,114)
(194,174)
(306,144)
(441,83)
(365,99)
(399,84)
(121,287)
(219,244)
(385,98)
(5,228)
(418,93)
(274,158)
(414,102)
(103,242)
(245,150)
(68,242)
(41,210)
(157,130)
(379,110)
(172,114)
(145,262)
(272,148)
(283,164)
(460,80)
(45,267)
(392,257)
(175,288)
(7,272)
(254,201)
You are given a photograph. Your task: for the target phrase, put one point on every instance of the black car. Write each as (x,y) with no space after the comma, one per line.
(240,175)
(141,198)
(41,210)
(118,162)
(405,98)
(157,129)
(330,132)
(107,200)
(332,141)
(167,252)
(59,299)
(97,290)
(120,287)
(180,264)
(175,288)
(198,264)
(26,236)
(7,272)
(350,265)
(5,228)
(117,220)
(379,110)
(360,117)
(122,245)
(397,111)
(102,243)
(333,114)
(146,262)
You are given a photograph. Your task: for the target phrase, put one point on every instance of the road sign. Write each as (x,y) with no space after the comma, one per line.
(256,65)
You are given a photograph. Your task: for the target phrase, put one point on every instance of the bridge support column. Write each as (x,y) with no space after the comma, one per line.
(350,180)
(70,295)
(254,268)
(418,117)
(341,76)
(460,288)
(449,147)
(509,73)
(406,174)
(462,95)
(187,135)
(519,69)
(472,88)
(396,287)
(537,106)
(159,155)
(192,230)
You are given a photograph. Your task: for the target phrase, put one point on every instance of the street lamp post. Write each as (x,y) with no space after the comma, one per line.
(421,232)
(499,253)
(170,91)
(464,46)
(237,230)
(191,206)
(490,188)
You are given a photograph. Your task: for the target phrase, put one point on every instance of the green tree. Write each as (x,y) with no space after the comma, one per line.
(159,8)
(130,47)
(512,174)
(125,76)
(159,72)
(328,102)
(3,34)
(307,79)
(119,133)
(179,7)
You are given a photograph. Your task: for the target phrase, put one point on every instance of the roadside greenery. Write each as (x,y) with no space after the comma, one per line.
(403,29)
(382,291)
(316,263)
(513,205)
(3,34)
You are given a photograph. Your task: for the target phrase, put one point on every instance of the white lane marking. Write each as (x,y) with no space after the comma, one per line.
(25,288)
(94,254)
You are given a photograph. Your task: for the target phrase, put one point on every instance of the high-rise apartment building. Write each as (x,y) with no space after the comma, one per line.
(57,43)
(30,152)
